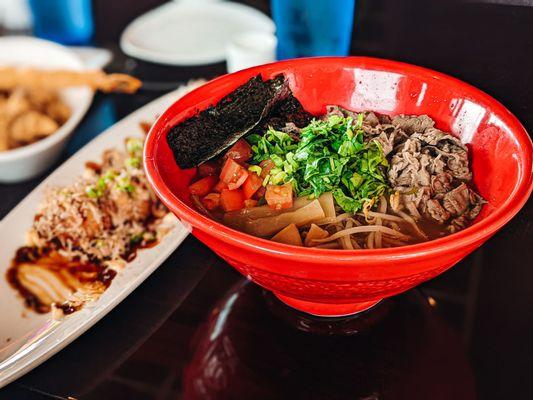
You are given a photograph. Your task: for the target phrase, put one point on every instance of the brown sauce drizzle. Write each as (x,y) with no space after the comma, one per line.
(94,166)
(65,271)
(51,261)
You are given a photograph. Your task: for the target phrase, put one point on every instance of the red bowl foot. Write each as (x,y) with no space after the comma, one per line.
(327,309)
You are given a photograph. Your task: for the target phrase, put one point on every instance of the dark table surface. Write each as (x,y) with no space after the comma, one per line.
(197,329)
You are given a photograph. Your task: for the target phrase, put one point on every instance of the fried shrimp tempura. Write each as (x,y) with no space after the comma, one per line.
(11,78)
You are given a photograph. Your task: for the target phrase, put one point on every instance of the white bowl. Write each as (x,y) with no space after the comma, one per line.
(29,161)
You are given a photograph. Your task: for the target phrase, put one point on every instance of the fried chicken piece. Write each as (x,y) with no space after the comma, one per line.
(30,126)
(58,111)
(41,98)
(17,104)
(4,137)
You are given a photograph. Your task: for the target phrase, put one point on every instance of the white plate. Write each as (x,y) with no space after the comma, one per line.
(28,161)
(190,32)
(27,338)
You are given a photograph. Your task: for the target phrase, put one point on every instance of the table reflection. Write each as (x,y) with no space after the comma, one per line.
(252,346)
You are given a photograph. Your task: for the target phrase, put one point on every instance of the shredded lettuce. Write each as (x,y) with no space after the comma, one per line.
(329,156)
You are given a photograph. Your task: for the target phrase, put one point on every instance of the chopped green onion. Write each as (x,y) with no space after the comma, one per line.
(134,162)
(136,239)
(124,184)
(134,146)
(255,168)
(93,192)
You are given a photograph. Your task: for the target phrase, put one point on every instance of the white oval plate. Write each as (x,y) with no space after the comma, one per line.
(190,32)
(27,338)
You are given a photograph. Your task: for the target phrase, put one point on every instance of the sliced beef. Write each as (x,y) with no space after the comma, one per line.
(371,119)
(408,167)
(336,110)
(449,149)
(428,153)
(418,196)
(436,137)
(411,124)
(476,204)
(457,163)
(291,127)
(457,200)
(437,165)
(386,141)
(429,169)
(386,135)
(441,183)
(435,210)
(458,224)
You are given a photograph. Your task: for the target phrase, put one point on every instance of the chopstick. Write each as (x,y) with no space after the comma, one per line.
(12,78)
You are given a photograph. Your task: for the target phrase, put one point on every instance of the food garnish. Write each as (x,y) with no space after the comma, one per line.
(28,115)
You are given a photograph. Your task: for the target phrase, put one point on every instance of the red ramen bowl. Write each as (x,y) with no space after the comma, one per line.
(340,282)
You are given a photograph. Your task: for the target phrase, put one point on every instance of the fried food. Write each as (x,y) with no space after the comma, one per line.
(31,108)
(28,115)
(12,78)
(30,125)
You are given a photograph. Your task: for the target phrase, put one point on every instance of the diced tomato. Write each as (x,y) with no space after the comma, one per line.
(203,186)
(208,168)
(249,203)
(279,197)
(266,166)
(231,200)
(220,186)
(252,184)
(240,151)
(233,174)
(211,201)
(260,193)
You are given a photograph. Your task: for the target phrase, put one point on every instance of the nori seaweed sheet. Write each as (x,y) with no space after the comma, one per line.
(285,111)
(207,134)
